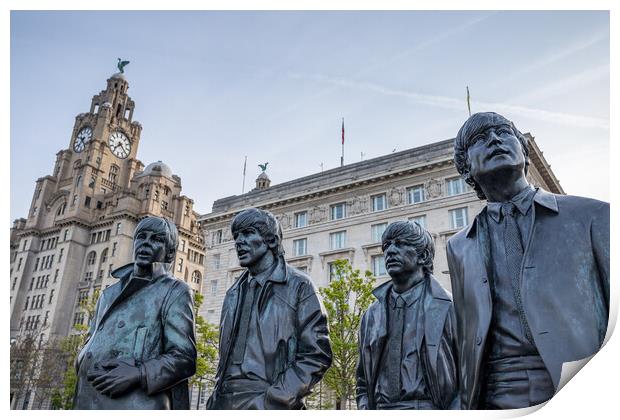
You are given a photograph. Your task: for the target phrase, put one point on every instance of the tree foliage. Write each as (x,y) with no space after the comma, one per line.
(68,349)
(207,344)
(346,299)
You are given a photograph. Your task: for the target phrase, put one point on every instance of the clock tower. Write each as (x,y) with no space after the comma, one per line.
(82,217)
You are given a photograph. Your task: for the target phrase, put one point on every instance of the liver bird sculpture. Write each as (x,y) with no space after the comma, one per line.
(121,65)
(263,166)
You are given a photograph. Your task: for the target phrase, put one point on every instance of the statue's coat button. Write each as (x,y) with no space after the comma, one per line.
(478,340)
(121,324)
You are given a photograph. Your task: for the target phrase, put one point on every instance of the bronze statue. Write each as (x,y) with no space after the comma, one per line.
(274,344)
(407,336)
(141,349)
(121,65)
(530,275)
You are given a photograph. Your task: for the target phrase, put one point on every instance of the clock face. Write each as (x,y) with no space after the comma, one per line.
(82,138)
(119,144)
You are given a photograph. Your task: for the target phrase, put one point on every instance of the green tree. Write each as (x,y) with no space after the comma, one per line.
(346,299)
(68,349)
(207,344)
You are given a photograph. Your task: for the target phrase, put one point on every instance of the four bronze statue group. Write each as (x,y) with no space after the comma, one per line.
(530,292)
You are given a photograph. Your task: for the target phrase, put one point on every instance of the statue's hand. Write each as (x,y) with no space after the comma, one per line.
(114,377)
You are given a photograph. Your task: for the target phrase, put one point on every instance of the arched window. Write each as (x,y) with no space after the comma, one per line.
(196,277)
(92,257)
(104,255)
(113,174)
(78,180)
(61,209)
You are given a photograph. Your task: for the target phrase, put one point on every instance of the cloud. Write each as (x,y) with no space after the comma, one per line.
(569,50)
(564,85)
(447,102)
(383,62)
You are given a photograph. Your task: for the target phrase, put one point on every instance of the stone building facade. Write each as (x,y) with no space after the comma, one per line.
(82,217)
(341,214)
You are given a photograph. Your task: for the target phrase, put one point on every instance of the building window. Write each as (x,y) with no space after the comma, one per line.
(337,211)
(458,217)
(19,264)
(456,186)
(14,283)
(114,249)
(303,269)
(92,182)
(156,197)
(180,266)
(300,247)
(186,210)
(92,256)
(333,272)
(415,194)
(74,200)
(379,202)
(104,255)
(65,235)
(378,266)
(217,237)
(110,270)
(118,228)
(182,245)
(376,231)
(196,277)
(61,209)
(25,244)
(164,205)
(78,319)
(301,219)
(87,202)
(216,261)
(420,220)
(51,296)
(36,265)
(213,287)
(83,297)
(62,250)
(56,275)
(88,277)
(113,174)
(337,240)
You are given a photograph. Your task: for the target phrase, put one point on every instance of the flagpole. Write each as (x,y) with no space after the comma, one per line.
(244,165)
(468,104)
(342,155)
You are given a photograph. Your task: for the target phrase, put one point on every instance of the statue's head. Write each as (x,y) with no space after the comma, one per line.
(487,144)
(256,232)
(155,240)
(407,248)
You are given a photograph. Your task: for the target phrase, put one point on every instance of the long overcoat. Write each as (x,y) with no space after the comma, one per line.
(564,280)
(149,323)
(292,327)
(435,338)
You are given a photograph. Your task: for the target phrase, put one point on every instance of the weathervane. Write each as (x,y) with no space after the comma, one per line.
(121,65)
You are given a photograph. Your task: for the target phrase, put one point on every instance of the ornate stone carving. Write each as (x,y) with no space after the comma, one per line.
(285,220)
(395,196)
(433,188)
(358,205)
(318,214)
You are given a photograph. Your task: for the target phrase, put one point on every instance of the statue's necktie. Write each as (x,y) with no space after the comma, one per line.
(395,348)
(244,322)
(514,258)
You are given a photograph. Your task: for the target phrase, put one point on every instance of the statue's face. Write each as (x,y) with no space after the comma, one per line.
(250,245)
(401,258)
(149,247)
(495,149)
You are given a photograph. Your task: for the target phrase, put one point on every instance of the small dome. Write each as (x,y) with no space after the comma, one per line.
(119,76)
(263,175)
(158,168)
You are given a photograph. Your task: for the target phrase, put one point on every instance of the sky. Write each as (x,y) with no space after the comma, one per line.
(213,87)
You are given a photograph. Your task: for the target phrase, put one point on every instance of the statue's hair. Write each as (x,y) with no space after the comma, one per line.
(160,224)
(475,125)
(266,224)
(414,233)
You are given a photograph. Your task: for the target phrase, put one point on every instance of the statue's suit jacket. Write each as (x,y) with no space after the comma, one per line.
(292,326)
(564,285)
(435,339)
(149,323)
